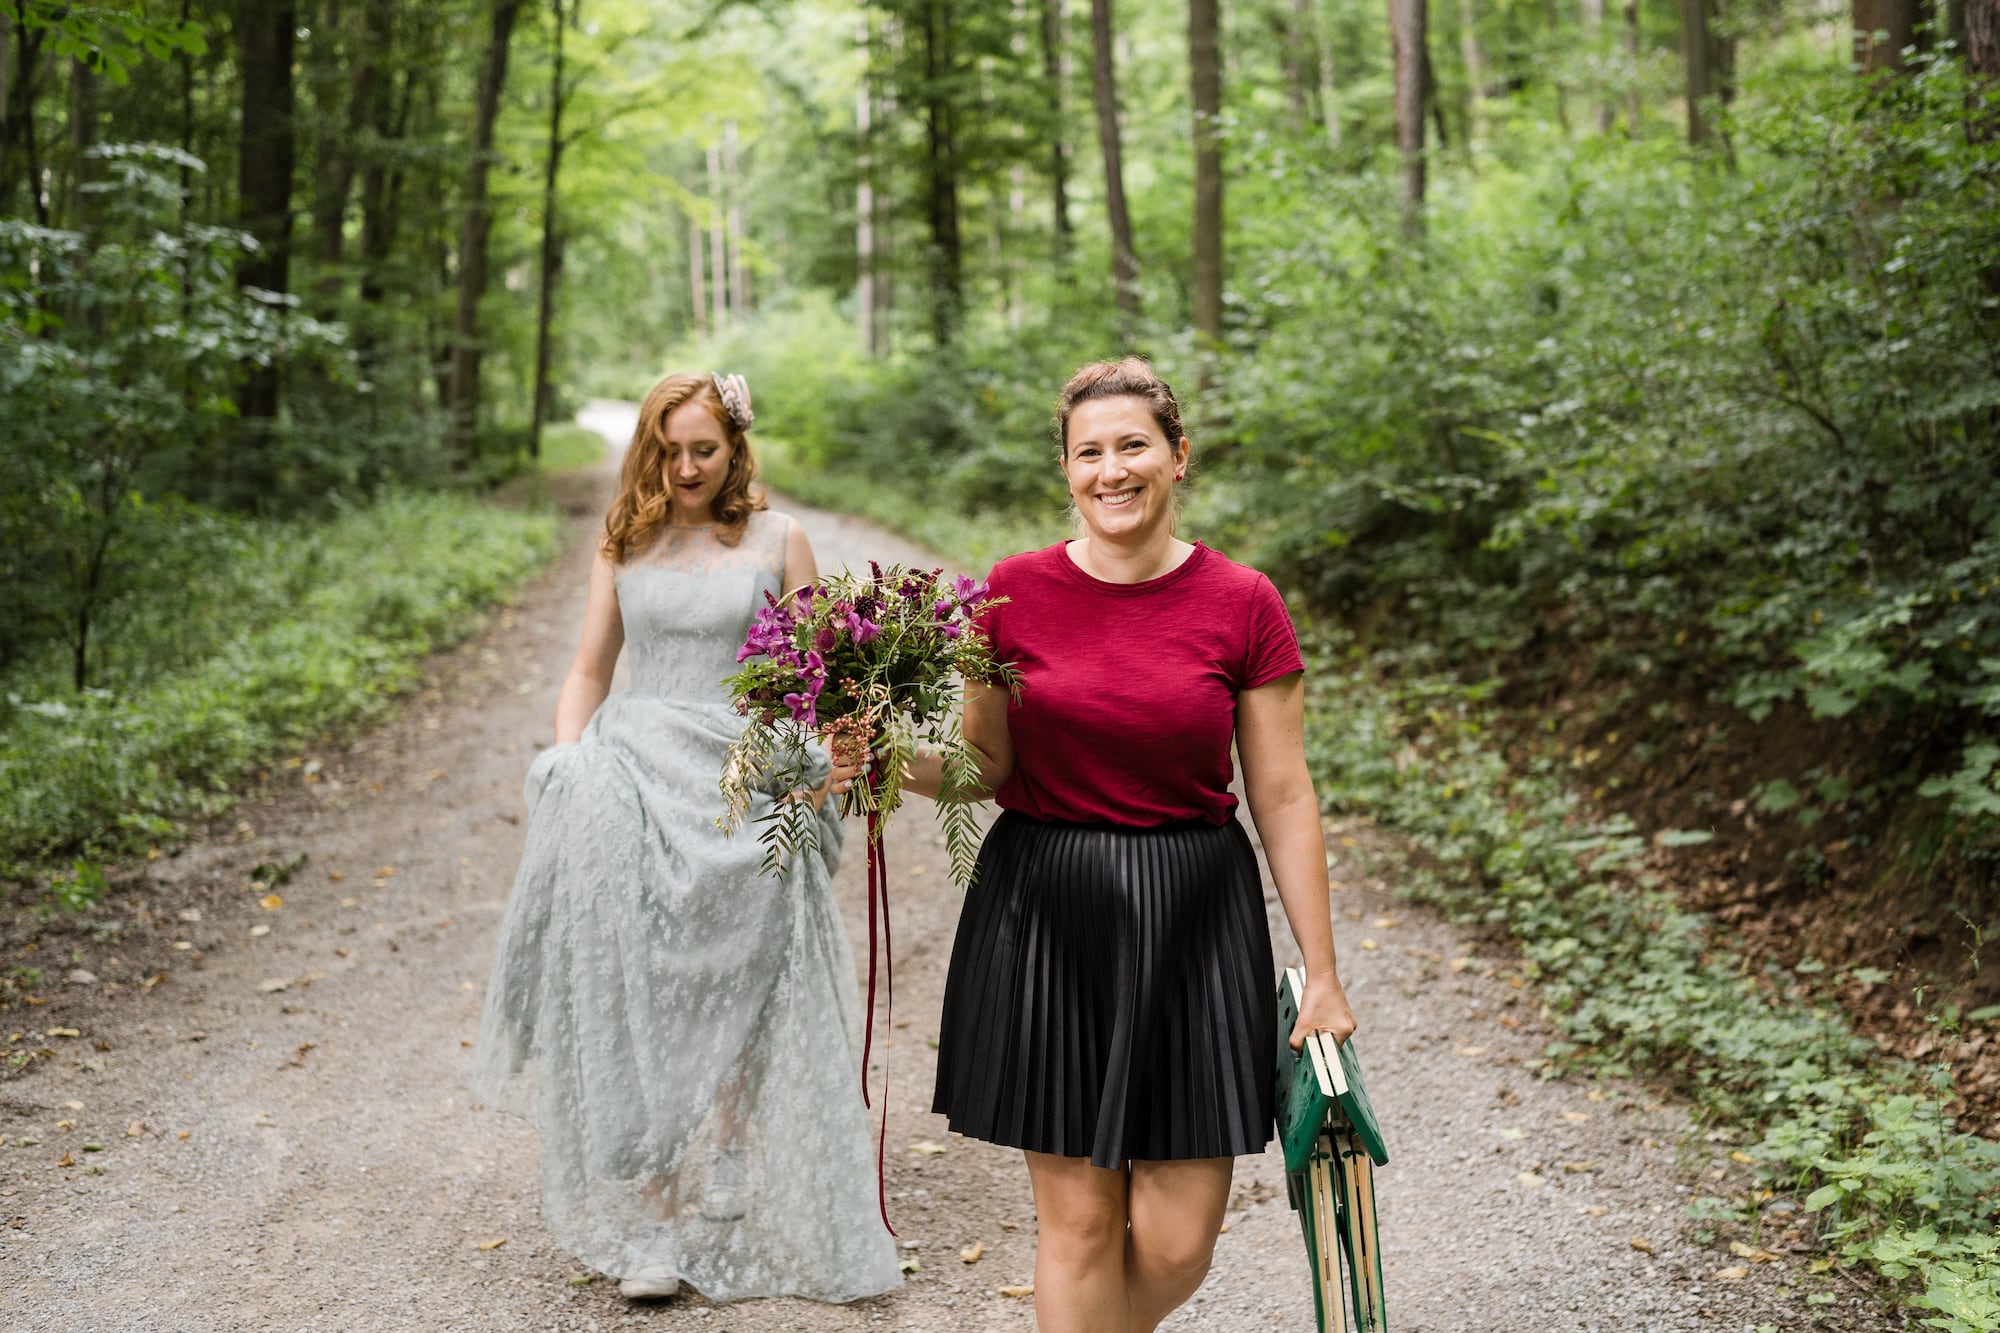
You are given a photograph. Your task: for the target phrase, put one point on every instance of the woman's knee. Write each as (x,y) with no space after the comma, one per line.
(1080,1212)
(1177,1254)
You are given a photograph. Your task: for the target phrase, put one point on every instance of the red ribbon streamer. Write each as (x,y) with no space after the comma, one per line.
(878,889)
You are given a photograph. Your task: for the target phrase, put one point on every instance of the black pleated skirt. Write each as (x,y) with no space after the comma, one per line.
(1111,994)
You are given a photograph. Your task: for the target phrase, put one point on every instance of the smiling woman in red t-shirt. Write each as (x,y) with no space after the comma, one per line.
(1109,1008)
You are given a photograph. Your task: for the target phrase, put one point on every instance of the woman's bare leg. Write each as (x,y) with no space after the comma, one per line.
(1175,1209)
(1079,1246)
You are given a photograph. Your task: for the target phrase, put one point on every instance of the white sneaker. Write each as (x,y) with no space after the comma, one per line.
(728,1182)
(655,1278)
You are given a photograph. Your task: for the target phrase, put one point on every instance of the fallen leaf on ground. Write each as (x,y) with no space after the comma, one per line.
(258,932)
(136,1130)
(925,1148)
(72,1106)
(384,872)
(1743,1157)
(1575,1167)
(36,1000)
(1513,1132)
(1575,1117)
(580,1280)
(1598,1210)
(1471,1050)
(270,902)
(182,1135)
(1732,1274)
(273,986)
(189,914)
(492,1244)
(67,1160)
(912,1264)
(93,1146)
(1752,1253)
(335,876)
(972,1253)
(1594,1095)
(1641,1244)
(1527,1179)
(1370,944)
(1028,1290)
(1385,923)
(64,1032)
(1460,964)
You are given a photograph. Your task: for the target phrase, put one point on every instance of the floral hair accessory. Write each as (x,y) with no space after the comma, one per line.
(735,395)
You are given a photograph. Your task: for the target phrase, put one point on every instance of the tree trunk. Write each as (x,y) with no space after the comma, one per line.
(1407,20)
(695,286)
(20,154)
(1205,79)
(864,195)
(462,389)
(1896,23)
(947,257)
(1593,29)
(267,31)
(382,188)
(366,89)
(1698,54)
(1104,85)
(1635,107)
(1476,76)
(83,117)
(551,258)
(1329,92)
(1982,37)
(1055,75)
(718,257)
(739,266)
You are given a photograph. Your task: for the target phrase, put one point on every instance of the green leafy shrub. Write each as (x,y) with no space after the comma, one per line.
(299,627)
(1634,982)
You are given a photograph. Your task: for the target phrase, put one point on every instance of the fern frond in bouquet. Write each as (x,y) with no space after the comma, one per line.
(859,661)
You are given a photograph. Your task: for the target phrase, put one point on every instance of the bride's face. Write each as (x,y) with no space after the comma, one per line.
(697,462)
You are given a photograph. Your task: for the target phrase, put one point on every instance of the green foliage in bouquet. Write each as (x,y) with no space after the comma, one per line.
(862,662)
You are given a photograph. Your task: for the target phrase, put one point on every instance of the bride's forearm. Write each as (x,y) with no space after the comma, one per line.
(580,699)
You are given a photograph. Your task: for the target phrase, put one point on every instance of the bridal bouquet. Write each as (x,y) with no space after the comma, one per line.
(859,661)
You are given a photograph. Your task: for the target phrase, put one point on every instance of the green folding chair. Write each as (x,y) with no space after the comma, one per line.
(1333,1144)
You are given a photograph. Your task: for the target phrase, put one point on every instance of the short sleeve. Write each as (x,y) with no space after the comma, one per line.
(991,616)
(1272,647)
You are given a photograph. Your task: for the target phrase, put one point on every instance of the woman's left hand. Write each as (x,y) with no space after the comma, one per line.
(1323,1008)
(842,779)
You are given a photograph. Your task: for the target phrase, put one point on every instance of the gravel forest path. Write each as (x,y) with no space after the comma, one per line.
(261,1120)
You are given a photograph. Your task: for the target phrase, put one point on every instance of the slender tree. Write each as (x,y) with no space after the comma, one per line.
(1708,58)
(1104,85)
(1205,79)
(1407,21)
(1476,77)
(552,249)
(475,231)
(1055,77)
(864,194)
(1982,37)
(947,250)
(266,33)
(1883,30)
(739,266)
(718,256)
(1635,106)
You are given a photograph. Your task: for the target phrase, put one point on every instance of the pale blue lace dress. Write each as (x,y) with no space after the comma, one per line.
(683,1030)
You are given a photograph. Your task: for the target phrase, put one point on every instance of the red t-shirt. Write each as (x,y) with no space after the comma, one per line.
(1128,690)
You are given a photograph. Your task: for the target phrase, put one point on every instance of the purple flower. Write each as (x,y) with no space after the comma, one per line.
(863,629)
(805,596)
(815,667)
(827,639)
(970,593)
(953,629)
(802,709)
(943,608)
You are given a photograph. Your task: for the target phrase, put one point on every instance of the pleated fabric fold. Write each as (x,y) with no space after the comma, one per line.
(1110,994)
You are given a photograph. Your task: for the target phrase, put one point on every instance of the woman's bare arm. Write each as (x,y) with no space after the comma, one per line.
(984,722)
(589,679)
(1270,740)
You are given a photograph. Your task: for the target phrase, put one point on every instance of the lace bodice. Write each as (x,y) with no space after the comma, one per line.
(687,604)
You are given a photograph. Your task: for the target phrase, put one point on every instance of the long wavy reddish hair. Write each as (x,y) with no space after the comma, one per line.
(641,509)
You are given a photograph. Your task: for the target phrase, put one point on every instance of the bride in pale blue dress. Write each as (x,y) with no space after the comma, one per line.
(681,1028)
